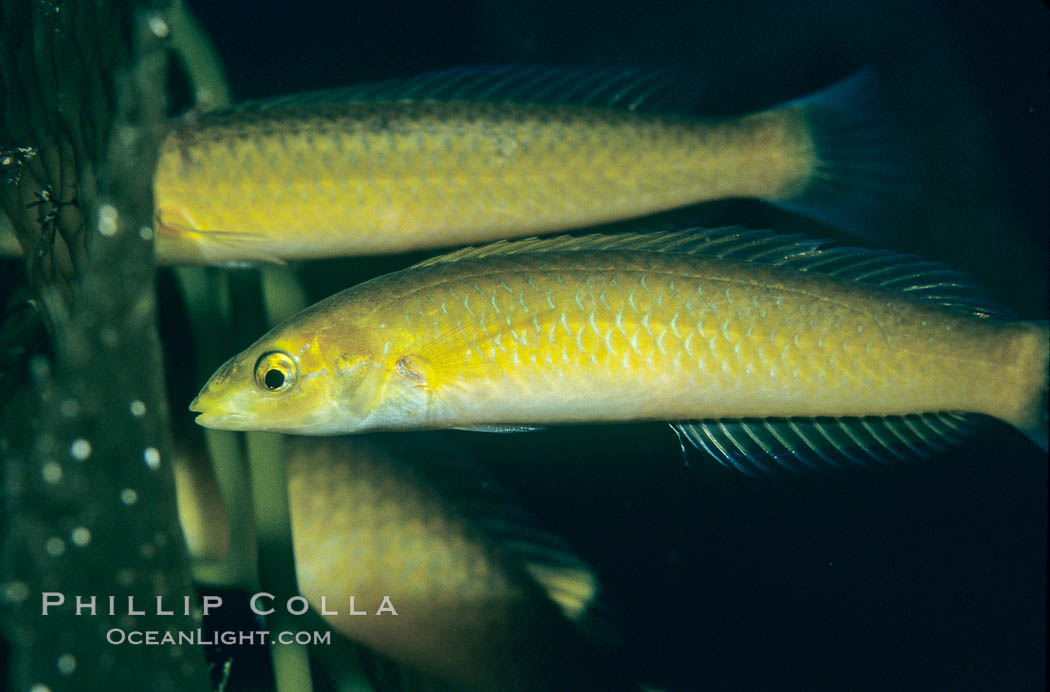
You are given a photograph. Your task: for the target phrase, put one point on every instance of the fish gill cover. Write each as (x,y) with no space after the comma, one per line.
(87,480)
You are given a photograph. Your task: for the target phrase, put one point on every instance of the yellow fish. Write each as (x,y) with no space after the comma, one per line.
(485,600)
(780,346)
(446,575)
(481,154)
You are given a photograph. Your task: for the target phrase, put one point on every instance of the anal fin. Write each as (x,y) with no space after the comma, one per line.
(759,447)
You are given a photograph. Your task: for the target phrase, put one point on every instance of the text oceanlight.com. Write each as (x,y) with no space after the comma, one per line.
(117,636)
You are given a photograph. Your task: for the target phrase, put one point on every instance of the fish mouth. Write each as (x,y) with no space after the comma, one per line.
(223,420)
(218,418)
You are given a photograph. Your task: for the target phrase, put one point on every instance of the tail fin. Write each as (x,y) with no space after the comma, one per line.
(1035,419)
(1038,431)
(864,175)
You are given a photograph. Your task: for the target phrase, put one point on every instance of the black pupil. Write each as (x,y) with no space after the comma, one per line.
(274,379)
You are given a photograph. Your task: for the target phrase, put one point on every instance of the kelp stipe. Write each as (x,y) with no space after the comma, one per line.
(87,460)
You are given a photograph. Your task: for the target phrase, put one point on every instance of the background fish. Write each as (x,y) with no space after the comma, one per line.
(485,153)
(678,326)
(485,599)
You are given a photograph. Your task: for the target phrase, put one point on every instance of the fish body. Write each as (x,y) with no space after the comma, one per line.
(404,170)
(474,609)
(662,326)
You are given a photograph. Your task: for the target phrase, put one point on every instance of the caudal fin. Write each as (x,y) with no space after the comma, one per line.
(1038,431)
(1035,416)
(864,175)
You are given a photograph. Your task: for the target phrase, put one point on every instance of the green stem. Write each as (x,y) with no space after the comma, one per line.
(206,292)
(200,59)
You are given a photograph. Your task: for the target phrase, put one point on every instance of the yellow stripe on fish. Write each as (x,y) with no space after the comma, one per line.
(681,326)
(472,155)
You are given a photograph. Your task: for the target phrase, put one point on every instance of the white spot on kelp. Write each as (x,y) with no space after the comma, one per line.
(51,471)
(67,663)
(152,458)
(107,220)
(15,591)
(128,496)
(80,449)
(138,408)
(146,233)
(81,536)
(159,27)
(39,687)
(55,546)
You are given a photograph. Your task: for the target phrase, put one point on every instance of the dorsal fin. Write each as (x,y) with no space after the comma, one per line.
(632,89)
(910,275)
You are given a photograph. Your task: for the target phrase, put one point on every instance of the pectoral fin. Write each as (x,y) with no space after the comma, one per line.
(179,241)
(502,428)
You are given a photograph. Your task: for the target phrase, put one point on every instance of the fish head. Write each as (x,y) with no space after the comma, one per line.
(293,380)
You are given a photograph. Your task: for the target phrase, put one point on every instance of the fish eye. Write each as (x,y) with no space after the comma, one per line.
(275,372)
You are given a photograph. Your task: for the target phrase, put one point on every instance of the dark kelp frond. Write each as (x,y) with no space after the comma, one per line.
(89,498)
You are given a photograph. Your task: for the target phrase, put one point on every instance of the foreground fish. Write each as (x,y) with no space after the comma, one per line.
(484,599)
(480,154)
(803,348)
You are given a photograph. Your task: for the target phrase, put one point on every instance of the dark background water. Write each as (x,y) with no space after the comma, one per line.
(926,576)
